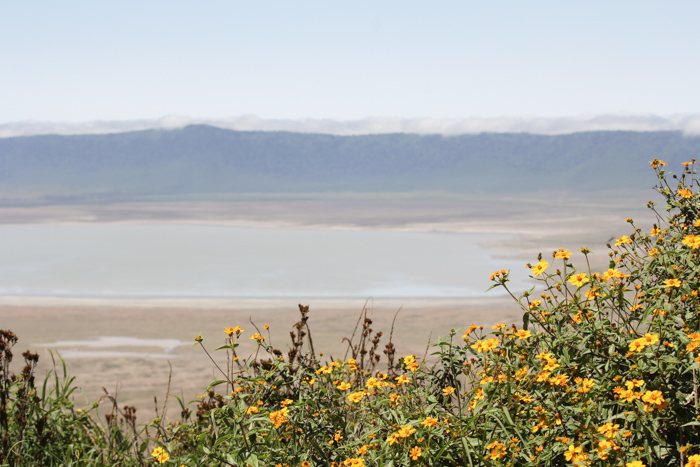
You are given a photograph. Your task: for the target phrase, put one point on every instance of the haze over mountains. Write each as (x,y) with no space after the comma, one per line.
(204,160)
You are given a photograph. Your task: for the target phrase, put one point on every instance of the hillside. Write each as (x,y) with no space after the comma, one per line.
(206,160)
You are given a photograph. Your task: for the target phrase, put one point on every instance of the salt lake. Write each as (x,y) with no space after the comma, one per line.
(192,260)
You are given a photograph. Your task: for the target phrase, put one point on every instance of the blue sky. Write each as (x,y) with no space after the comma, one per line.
(78,61)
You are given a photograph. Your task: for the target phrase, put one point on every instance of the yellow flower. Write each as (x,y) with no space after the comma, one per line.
(684,193)
(160,455)
(613,274)
(693,241)
(251,410)
(356,397)
(578,279)
(410,363)
(609,430)
(393,439)
(324,370)
(575,454)
(559,380)
(361,451)
(499,326)
(236,330)
(672,283)
(344,386)
(405,431)
(543,377)
(654,398)
(429,422)
(522,334)
(654,164)
(561,254)
(650,339)
(693,461)
(585,385)
(355,462)
(374,383)
(485,346)
(636,463)
(415,453)
(279,417)
(402,379)
(636,345)
(539,268)
(257,337)
(498,450)
(521,373)
(622,240)
(448,391)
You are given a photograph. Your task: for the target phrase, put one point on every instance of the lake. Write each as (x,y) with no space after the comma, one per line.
(189,260)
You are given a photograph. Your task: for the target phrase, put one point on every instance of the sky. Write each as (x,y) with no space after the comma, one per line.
(83,64)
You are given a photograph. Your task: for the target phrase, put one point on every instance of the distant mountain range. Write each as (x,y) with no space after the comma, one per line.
(200,159)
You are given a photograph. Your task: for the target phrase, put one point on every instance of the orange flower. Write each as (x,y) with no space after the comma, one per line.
(415,453)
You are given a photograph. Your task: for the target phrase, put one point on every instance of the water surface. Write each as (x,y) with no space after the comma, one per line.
(174,260)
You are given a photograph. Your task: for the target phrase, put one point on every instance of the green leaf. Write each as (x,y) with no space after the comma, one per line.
(216,383)
(252,460)
(231,346)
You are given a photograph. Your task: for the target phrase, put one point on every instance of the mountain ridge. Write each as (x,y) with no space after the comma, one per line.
(200,159)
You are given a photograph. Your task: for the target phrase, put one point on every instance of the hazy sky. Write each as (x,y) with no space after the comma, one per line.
(76,61)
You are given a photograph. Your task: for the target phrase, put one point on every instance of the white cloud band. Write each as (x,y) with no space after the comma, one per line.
(688,124)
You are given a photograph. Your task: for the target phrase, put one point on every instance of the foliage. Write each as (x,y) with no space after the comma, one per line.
(602,371)
(39,425)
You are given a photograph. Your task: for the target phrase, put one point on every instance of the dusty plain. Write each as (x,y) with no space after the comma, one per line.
(127,347)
